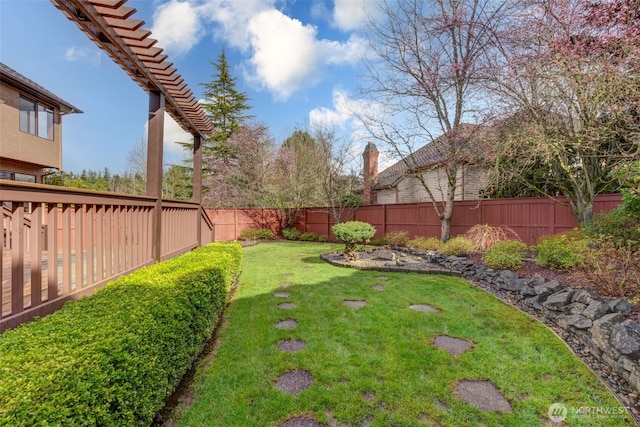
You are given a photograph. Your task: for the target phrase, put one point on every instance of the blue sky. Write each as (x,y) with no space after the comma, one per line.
(298,61)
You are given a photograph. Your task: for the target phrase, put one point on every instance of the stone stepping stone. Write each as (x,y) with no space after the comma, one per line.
(287,324)
(287,306)
(286,275)
(282,294)
(451,344)
(381,278)
(294,382)
(378,287)
(284,284)
(300,422)
(483,395)
(355,304)
(292,346)
(426,308)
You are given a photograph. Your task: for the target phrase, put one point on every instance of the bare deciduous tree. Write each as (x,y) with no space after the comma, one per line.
(428,57)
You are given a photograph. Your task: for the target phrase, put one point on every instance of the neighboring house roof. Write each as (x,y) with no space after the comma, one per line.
(434,154)
(14,78)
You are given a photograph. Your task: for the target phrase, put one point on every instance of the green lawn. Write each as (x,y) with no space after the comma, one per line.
(376,365)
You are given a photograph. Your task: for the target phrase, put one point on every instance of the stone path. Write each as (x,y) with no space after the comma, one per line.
(483,394)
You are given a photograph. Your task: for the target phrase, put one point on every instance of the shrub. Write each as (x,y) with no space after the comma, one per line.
(257,233)
(379,241)
(484,236)
(323,238)
(291,233)
(397,238)
(506,255)
(457,246)
(113,358)
(309,236)
(352,233)
(561,251)
(427,244)
(618,227)
(612,270)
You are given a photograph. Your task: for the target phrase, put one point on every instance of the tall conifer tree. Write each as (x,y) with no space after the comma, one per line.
(226,108)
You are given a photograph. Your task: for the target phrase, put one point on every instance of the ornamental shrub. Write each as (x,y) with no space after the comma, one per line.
(113,358)
(291,233)
(424,243)
(484,236)
(379,241)
(457,246)
(618,227)
(257,233)
(397,238)
(561,251)
(352,233)
(309,236)
(507,255)
(323,238)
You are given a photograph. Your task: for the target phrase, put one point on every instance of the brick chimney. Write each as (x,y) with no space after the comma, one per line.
(370,173)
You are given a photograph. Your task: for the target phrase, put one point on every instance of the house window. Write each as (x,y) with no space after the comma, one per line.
(35,118)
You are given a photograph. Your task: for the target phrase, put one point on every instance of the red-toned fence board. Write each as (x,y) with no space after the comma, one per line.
(529,217)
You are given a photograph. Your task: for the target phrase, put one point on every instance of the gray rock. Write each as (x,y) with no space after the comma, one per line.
(547,288)
(625,338)
(625,363)
(512,285)
(537,281)
(558,300)
(574,320)
(603,327)
(528,291)
(533,303)
(634,377)
(582,296)
(508,275)
(596,310)
(619,306)
(385,256)
(574,308)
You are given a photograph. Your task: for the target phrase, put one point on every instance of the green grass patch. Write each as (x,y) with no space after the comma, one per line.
(378,363)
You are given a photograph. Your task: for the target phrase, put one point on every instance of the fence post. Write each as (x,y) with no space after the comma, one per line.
(154,167)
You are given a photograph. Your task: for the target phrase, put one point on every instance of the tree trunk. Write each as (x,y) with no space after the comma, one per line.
(445,228)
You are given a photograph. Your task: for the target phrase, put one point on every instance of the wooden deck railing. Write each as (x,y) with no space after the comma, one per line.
(60,244)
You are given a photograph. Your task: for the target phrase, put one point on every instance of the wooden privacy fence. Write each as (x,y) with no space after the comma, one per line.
(60,244)
(529,217)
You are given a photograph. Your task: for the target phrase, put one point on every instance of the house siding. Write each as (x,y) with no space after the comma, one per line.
(470,183)
(34,153)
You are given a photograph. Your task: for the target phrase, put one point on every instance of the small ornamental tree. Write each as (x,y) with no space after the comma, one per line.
(352,233)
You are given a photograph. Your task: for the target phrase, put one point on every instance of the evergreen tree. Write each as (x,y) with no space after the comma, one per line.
(226,108)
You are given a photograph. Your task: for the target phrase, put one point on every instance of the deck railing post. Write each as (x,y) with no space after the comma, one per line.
(154,168)
(197,184)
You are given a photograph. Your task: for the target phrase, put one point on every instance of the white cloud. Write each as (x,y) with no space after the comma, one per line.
(173,134)
(176,26)
(343,110)
(233,17)
(83,54)
(349,14)
(287,55)
(284,54)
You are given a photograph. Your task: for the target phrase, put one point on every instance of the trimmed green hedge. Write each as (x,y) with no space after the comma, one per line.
(112,359)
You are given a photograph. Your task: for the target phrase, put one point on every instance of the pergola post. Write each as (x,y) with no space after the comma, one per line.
(154,167)
(197,181)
